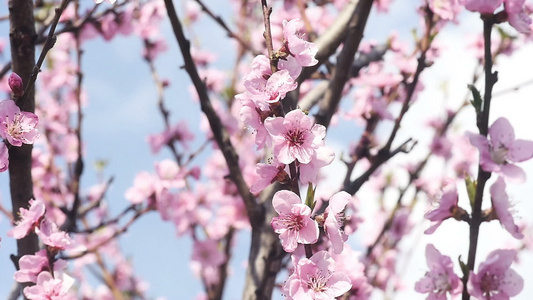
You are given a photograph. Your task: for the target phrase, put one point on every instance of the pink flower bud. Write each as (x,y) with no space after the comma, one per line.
(16,85)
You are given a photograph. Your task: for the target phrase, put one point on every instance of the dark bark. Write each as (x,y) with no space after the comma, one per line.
(22,37)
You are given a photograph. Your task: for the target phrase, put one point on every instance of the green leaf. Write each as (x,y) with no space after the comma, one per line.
(310,198)
(477,102)
(471,186)
(463,266)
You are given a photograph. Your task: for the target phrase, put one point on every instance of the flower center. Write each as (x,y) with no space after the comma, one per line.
(14,128)
(441,283)
(296,137)
(498,154)
(293,222)
(490,283)
(318,282)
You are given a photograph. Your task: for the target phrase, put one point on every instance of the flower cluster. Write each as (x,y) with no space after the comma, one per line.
(42,269)
(498,153)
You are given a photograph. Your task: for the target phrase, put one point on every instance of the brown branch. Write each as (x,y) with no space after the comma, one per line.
(72,215)
(267,34)
(341,74)
(220,133)
(483,124)
(118,232)
(22,39)
(378,160)
(48,44)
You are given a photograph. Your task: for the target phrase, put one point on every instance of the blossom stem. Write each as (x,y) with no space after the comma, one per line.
(268,36)
(482,123)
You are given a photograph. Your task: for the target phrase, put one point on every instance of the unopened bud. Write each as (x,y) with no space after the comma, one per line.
(16,85)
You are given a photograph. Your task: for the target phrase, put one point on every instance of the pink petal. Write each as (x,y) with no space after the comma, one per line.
(309,233)
(512,283)
(513,173)
(501,132)
(520,150)
(284,200)
(338,202)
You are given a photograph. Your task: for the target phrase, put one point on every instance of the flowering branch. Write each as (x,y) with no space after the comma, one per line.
(220,133)
(22,34)
(48,44)
(483,176)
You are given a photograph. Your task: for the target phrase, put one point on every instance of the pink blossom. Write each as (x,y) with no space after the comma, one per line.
(252,115)
(268,87)
(295,136)
(348,262)
(517,15)
(179,132)
(268,174)
(483,6)
(440,279)
(143,188)
(316,278)
(335,220)
(447,205)
(501,206)
(495,279)
(31,265)
(169,174)
(445,9)
(302,50)
(207,253)
(294,223)
(322,157)
(29,219)
(17,126)
(49,287)
(56,239)
(153,48)
(15,84)
(502,150)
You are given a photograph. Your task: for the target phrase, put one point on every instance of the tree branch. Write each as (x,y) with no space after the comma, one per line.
(343,68)
(220,133)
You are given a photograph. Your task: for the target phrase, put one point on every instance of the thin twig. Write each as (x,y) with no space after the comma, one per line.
(229,32)
(48,44)
(482,177)
(220,133)
(267,34)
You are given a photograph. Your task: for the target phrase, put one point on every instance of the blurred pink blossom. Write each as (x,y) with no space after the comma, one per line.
(440,279)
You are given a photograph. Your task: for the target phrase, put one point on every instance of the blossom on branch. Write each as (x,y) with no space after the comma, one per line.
(315,278)
(56,239)
(30,266)
(50,287)
(447,208)
(18,127)
(29,219)
(295,137)
(302,50)
(335,220)
(495,279)
(440,279)
(501,206)
(502,150)
(294,223)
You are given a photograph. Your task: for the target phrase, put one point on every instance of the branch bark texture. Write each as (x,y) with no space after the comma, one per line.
(22,36)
